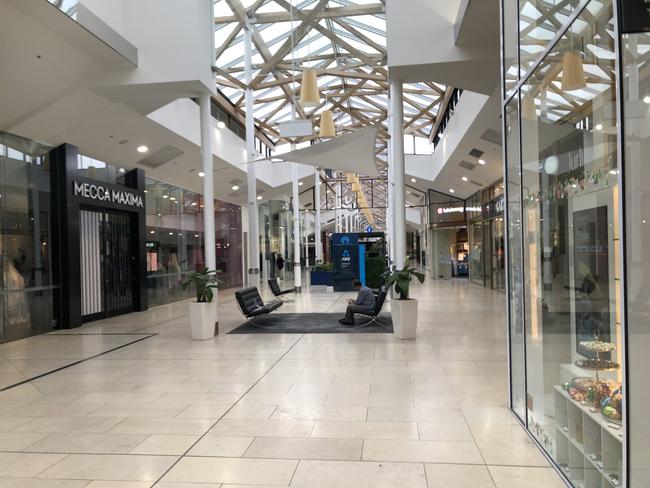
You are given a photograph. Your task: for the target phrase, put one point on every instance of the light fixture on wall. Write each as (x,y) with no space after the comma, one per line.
(327,128)
(309,92)
(573,70)
(221,124)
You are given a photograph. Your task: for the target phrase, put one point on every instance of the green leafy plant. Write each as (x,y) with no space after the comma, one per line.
(401,279)
(203,283)
(320,266)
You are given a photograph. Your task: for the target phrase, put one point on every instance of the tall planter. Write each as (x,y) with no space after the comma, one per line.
(203,320)
(405,318)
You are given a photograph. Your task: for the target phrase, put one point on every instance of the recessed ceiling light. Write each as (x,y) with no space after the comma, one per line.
(171,233)
(646,99)
(235,188)
(300,183)
(221,124)
(481,162)
(259,197)
(451,190)
(173,199)
(201,174)
(196,235)
(142,149)
(465,178)
(599,127)
(413,180)
(193,204)
(165,196)
(152,232)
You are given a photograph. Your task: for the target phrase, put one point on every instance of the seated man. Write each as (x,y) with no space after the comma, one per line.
(365,303)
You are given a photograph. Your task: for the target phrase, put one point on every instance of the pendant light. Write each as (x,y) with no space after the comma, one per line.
(309,92)
(573,70)
(528,108)
(327,124)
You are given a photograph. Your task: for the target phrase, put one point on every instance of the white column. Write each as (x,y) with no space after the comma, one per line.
(297,271)
(253,216)
(317,231)
(209,242)
(397,162)
(390,238)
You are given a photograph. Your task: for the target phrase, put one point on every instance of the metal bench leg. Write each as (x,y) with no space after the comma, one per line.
(373,320)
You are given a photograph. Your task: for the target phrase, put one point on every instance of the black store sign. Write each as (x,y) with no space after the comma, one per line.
(494,208)
(70,195)
(634,16)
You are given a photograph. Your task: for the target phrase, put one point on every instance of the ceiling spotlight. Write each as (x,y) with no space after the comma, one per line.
(152,232)
(259,197)
(300,183)
(413,180)
(451,190)
(646,99)
(142,149)
(481,162)
(171,233)
(201,174)
(196,235)
(165,196)
(235,188)
(465,178)
(221,124)
(599,127)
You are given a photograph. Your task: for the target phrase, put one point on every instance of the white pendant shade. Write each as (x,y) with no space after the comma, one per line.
(327,124)
(528,109)
(573,72)
(309,92)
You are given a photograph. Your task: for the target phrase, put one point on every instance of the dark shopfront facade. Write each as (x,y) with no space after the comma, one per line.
(119,242)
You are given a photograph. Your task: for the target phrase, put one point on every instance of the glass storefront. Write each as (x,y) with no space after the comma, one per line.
(26,287)
(565,238)
(175,240)
(174,232)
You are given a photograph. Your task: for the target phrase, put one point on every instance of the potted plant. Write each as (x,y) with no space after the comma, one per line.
(322,274)
(404,310)
(203,311)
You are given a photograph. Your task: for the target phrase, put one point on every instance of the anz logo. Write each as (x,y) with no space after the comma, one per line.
(345,256)
(345,240)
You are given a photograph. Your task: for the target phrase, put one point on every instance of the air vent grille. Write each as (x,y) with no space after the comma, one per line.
(492,136)
(476,153)
(161,156)
(467,165)
(473,182)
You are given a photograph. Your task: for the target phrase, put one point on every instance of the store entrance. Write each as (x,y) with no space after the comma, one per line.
(107,262)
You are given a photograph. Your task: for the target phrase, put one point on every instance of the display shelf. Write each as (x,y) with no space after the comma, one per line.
(588,447)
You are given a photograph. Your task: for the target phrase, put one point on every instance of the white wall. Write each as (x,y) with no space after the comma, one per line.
(172,38)
(468,108)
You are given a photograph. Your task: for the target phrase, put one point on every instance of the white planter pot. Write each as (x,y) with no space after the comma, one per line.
(405,318)
(203,319)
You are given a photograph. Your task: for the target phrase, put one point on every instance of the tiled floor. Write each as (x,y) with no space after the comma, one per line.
(305,411)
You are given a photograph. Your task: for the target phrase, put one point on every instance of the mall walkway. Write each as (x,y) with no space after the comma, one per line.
(307,411)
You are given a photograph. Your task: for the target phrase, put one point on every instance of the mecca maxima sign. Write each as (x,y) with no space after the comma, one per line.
(100,193)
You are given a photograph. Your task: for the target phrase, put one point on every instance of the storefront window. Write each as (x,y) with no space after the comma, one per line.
(25,260)
(476,253)
(175,240)
(637,210)
(515,271)
(510,45)
(570,243)
(539,23)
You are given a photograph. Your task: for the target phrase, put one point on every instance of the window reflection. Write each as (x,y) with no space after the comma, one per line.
(570,245)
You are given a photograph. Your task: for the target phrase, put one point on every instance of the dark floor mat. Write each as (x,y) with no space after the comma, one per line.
(313,323)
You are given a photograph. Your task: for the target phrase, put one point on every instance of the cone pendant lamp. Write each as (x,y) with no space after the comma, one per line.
(528,109)
(573,72)
(327,124)
(309,92)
